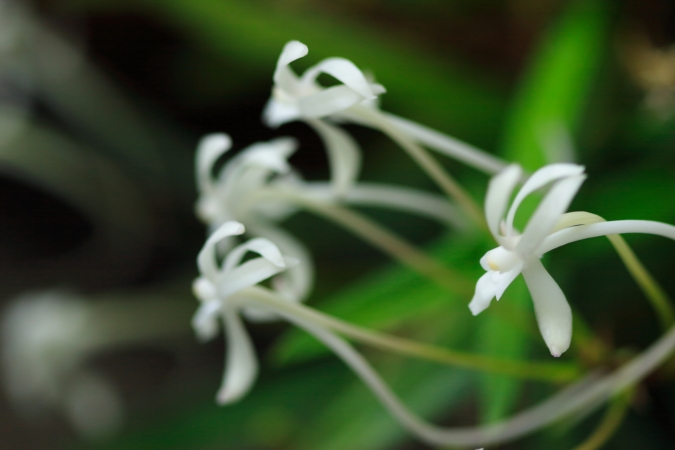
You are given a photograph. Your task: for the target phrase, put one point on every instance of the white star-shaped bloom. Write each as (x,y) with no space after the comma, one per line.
(219,289)
(518,254)
(302,98)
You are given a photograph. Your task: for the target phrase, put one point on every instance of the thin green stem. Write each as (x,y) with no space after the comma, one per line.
(610,423)
(422,157)
(380,237)
(552,372)
(650,287)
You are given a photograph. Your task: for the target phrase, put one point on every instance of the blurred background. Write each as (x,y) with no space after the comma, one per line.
(102,104)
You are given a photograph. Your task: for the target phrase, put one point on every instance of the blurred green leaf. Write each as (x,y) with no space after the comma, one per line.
(555,91)
(497,338)
(430,88)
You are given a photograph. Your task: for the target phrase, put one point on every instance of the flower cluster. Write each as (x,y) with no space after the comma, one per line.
(258,188)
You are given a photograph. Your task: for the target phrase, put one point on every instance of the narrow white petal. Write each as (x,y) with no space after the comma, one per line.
(241,367)
(569,235)
(209,149)
(296,283)
(277,113)
(263,247)
(344,71)
(272,155)
(498,194)
(547,214)
(206,260)
(344,155)
(485,292)
(541,178)
(283,77)
(328,102)
(554,315)
(205,320)
(492,284)
(248,274)
(448,146)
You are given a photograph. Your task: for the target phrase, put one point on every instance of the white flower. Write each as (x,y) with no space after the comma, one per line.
(230,195)
(354,100)
(226,196)
(302,98)
(46,339)
(518,254)
(219,290)
(263,168)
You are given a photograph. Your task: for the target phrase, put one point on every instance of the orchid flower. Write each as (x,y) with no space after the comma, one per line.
(354,100)
(224,198)
(219,289)
(48,337)
(518,254)
(548,228)
(259,188)
(294,98)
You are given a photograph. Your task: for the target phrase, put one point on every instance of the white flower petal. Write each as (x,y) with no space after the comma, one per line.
(344,71)
(205,320)
(499,191)
(344,155)
(547,214)
(569,235)
(283,76)
(248,274)
(263,247)
(241,367)
(206,260)
(492,284)
(540,178)
(485,292)
(209,149)
(328,101)
(554,315)
(296,282)
(272,155)
(277,113)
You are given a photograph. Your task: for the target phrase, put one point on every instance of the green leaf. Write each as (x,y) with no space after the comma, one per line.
(428,87)
(554,93)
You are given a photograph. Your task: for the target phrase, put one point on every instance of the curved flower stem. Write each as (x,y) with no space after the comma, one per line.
(449,146)
(649,286)
(377,236)
(587,393)
(552,372)
(371,117)
(610,423)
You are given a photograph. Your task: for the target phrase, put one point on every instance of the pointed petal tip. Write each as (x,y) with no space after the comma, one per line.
(476,308)
(292,50)
(556,352)
(223,397)
(214,142)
